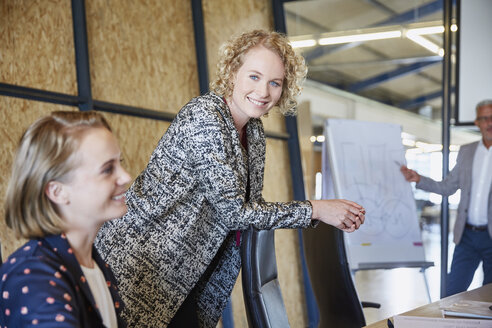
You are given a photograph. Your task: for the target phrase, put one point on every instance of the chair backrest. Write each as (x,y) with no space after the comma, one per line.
(261,290)
(332,283)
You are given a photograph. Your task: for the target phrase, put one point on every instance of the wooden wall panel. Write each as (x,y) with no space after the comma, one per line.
(36,45)
(274,121)
(137,137)
(142,53)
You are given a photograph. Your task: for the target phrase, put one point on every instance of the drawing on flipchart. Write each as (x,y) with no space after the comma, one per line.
(361,162)
(369,176)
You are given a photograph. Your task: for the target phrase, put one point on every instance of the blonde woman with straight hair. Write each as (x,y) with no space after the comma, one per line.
(66,182)
(180,239)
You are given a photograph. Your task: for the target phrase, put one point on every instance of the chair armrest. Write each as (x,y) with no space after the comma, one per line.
(370,305)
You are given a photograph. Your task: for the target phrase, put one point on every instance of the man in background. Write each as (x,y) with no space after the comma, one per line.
(473,228)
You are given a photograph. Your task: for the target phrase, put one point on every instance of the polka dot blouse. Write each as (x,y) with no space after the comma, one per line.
(42,285)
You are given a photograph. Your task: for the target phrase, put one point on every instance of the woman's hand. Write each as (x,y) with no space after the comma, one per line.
(340,213)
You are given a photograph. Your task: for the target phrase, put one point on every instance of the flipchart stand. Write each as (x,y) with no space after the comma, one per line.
(361,162)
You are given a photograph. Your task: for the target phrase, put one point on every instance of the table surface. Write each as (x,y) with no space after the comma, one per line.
(483,294)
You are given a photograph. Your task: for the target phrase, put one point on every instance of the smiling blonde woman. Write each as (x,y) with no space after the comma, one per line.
(66,182)
(176,253)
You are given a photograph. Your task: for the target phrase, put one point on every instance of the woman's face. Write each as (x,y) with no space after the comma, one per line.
(95,188)
(257,84)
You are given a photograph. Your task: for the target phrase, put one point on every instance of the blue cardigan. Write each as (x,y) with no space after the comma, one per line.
(43,284)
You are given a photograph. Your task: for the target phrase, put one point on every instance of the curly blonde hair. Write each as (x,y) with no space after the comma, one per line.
(232,57)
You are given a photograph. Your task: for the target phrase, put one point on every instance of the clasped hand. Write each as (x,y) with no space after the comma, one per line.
(340,213)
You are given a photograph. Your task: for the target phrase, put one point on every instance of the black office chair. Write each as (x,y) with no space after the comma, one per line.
(332,283)
(261,290)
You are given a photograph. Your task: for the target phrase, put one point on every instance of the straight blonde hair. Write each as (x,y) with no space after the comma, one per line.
(45,153)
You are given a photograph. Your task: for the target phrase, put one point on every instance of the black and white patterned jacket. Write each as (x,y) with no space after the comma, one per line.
(186,204)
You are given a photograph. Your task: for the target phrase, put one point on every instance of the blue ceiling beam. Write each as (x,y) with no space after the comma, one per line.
(391,75)
(412,103)
(402,18)
(408,16)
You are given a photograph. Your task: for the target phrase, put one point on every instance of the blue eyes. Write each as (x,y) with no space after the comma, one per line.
(272,83)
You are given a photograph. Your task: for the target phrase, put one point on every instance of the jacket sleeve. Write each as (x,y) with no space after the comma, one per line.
(35,293)
(448,185)
(212,156)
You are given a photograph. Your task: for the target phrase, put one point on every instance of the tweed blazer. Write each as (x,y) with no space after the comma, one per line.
(183,208)
(43,285)
(460,177)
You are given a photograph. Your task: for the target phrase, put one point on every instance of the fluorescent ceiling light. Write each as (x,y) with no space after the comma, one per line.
(438,29)
(428,148)
(408,142)
(303,43)
(426,30)
(360,37)
(431,46)
(411,31)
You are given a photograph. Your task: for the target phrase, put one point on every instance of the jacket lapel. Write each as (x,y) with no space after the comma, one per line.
(468,165)
(62,248)
(111,283)
(253,162)
(241,162)
(256,156)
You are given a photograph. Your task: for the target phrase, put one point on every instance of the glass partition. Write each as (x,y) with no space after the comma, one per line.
(378,60)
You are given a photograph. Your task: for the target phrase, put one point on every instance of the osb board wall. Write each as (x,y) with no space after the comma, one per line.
(142,52)
(137,138)
(274,121)
(15,116)
(37,51)
(224,19)
(36,45)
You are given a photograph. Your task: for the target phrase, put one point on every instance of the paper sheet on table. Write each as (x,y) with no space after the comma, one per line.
(470,309)
(422,322)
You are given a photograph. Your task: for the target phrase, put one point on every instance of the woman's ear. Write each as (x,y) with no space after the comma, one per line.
(56,192)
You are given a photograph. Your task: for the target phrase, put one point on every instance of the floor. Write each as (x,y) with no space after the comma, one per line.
(400,290)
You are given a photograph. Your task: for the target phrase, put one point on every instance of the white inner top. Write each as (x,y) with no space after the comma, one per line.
(102,296)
